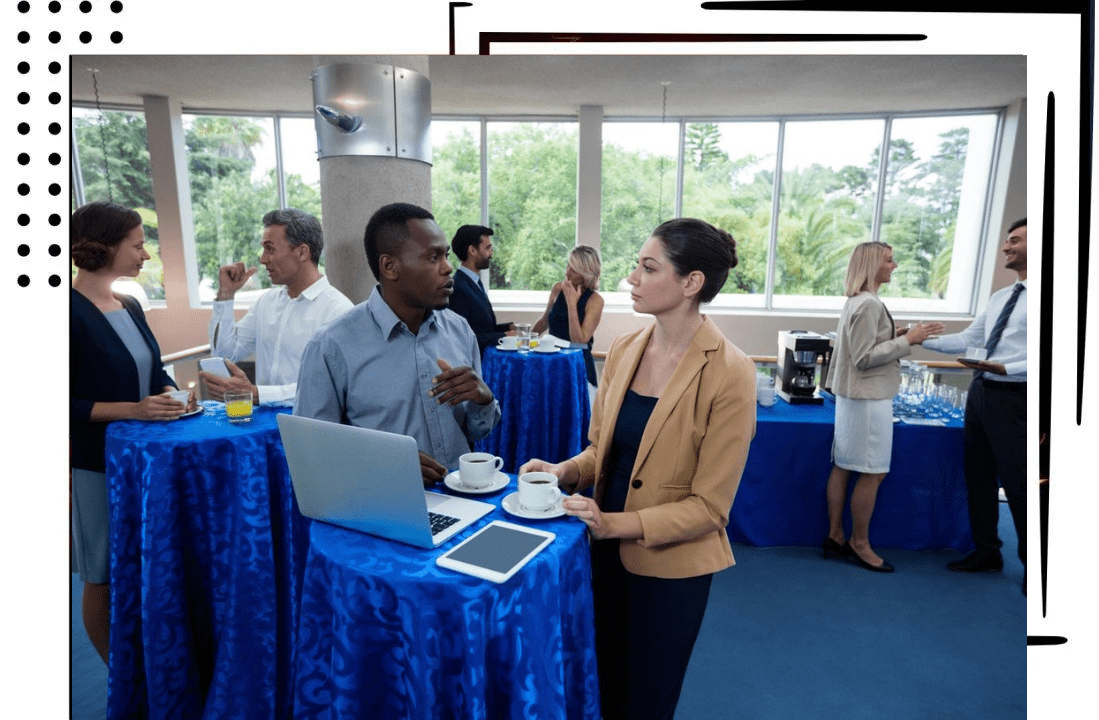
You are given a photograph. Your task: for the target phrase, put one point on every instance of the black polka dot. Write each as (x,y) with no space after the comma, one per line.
(24,36)
(24,6)
(55,97)
(85,7)
(24,189)
(55,280)
(55,6)
(55,37)
(24,281)
(23,128)
(23,219)
(85,37)
(24,158)
(116,37)
(55,189)
(55,250)
(55,220)
(55,128)
(24,67)
(55,67)
(23,250)
(24,98)
(55,159)
(116,6)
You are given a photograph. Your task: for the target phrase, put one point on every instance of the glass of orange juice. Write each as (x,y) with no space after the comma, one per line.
(238,407)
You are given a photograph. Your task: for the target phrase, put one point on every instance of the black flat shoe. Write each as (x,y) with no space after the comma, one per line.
(831,547)
(883,568)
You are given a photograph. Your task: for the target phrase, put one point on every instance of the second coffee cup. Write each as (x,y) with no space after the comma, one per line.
(477,469)
(538,491)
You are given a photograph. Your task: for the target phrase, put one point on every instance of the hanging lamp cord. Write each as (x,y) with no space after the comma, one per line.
(102,135)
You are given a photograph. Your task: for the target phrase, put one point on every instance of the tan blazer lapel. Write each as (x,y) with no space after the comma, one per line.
(706,339)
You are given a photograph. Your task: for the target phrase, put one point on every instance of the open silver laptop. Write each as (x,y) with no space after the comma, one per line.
(370,481)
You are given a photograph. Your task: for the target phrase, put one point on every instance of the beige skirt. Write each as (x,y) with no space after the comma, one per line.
(864,435)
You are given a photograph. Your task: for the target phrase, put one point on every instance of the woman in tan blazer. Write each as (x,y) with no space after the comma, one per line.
(673,418)
(865,373)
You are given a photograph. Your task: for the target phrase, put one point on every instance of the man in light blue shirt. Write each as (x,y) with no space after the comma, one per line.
(402,362)
(995,412)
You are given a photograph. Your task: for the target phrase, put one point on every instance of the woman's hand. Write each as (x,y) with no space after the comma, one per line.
(571,293)
(585,509)
(922,331)
(158,407)
(567,473)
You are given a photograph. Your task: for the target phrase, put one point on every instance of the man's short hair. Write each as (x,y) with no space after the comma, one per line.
(466,237)
(387,231)
(301,229)
(1016,225)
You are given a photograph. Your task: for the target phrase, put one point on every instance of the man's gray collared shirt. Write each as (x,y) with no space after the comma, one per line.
(368,369)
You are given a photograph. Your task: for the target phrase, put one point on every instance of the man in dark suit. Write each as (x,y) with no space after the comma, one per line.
(472,245)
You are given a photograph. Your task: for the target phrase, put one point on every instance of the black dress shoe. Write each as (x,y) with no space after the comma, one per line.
(978,561)
(883,568)
(831,547)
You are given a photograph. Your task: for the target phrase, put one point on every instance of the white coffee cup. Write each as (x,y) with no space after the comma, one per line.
(547,346)
(508,342)
(477,469)
(766,396)
(180,396)
(976,353)
(538,491)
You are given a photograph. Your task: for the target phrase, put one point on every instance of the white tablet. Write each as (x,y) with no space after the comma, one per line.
(496,551)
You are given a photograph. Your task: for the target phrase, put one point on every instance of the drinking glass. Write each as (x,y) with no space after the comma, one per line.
(238,407)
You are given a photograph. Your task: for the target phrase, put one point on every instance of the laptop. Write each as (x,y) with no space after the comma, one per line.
(369,480)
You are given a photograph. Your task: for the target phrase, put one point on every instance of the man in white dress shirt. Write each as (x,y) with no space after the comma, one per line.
(995,412)
(283,320)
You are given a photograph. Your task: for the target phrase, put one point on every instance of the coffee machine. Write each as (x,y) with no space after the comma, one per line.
(798,351)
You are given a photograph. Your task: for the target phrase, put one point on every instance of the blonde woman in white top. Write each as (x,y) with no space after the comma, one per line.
(864,375)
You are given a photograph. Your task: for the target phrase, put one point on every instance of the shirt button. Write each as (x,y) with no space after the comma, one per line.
(636,483)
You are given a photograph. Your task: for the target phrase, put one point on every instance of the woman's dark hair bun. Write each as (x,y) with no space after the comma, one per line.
(96,230)
(696,245)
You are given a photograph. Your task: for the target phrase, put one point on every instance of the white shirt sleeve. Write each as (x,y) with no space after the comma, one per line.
(229,338)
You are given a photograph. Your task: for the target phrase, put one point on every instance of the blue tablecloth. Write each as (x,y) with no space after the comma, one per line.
(207,552)
(544,405)
(921,503)
(386,633)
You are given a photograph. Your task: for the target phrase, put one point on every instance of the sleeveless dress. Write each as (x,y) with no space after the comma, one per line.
(558,320)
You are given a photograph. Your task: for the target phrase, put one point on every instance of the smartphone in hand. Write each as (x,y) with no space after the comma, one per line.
(214,366)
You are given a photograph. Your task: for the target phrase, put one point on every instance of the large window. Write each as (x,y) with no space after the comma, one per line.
(111,162)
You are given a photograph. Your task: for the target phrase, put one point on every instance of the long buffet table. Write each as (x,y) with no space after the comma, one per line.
(921,503)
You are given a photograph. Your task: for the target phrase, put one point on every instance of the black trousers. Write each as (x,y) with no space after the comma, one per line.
(995,447)
(645,630)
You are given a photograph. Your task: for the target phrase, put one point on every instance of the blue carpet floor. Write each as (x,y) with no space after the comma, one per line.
(790,635)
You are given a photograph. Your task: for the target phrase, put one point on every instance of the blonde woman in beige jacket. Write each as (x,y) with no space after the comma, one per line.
(864,374)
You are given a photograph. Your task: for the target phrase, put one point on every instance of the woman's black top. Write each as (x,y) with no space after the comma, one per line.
(558,320)
(632,419)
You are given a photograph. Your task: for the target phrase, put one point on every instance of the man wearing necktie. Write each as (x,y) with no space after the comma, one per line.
(995,412)
(472,245)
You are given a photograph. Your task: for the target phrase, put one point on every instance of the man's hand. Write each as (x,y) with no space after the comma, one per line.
(431,470)
(993,367)
(455,385)
(232,278)
(237,382)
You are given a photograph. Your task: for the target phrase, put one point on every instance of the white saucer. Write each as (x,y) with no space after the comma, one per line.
(507,349)
(196,411)
(551,351)
(499,482)
(510,504)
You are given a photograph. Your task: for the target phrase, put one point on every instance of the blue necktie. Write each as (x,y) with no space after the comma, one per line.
(1001,322)
(483,291)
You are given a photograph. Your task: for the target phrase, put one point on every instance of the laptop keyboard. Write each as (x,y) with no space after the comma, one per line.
(440,522)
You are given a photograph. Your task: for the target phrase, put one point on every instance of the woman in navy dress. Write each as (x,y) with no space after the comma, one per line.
(115,373)
(575,308)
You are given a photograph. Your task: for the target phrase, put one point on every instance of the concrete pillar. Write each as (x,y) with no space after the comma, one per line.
(353,187)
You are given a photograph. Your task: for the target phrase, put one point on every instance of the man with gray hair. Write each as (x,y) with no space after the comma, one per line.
(282,321)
